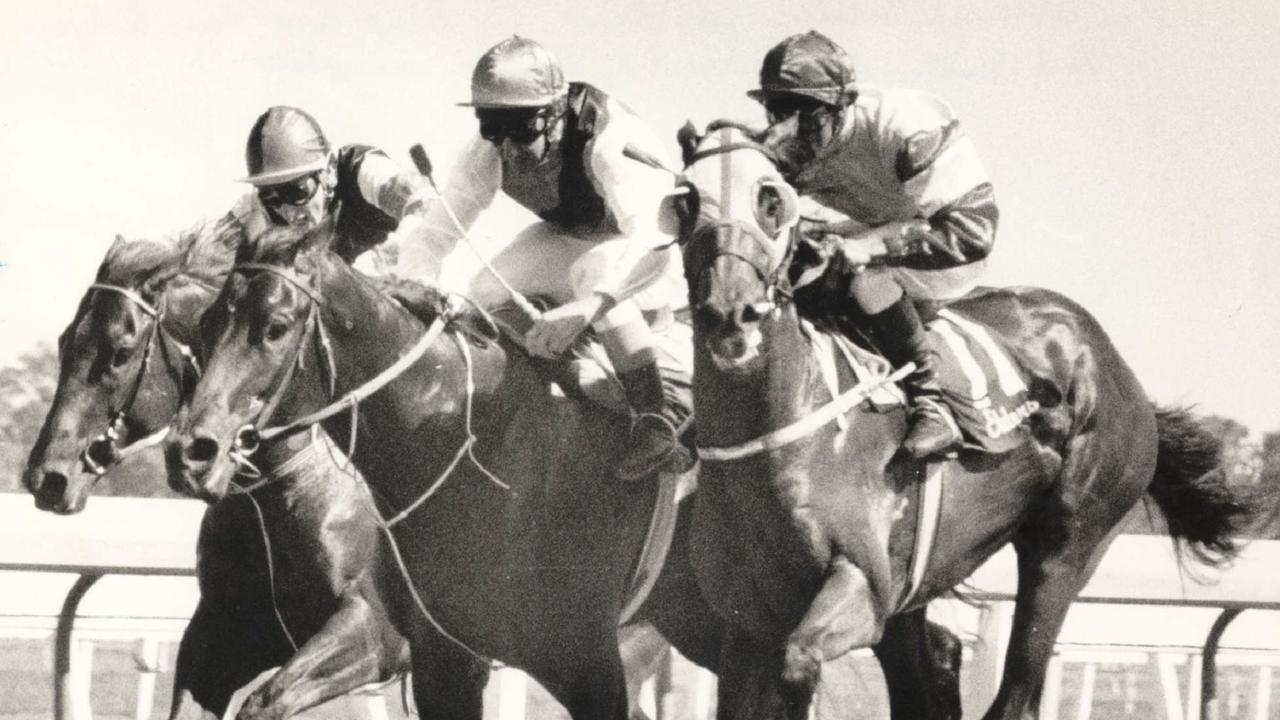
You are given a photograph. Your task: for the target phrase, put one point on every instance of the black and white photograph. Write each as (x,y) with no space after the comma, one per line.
(639,361)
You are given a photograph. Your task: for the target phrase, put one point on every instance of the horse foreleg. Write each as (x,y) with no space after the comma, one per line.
(844,616)
(751,683)
(448,681)
(214,660)
(356,646)
(921,664)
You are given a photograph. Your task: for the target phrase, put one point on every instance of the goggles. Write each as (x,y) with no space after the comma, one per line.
(519,125)
(781,107)
(295,192)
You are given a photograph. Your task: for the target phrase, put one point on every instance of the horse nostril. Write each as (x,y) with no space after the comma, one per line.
(203,449)
(52,485)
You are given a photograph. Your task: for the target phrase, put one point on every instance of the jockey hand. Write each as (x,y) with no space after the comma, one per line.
(861,249)
(556,330)
(891,240)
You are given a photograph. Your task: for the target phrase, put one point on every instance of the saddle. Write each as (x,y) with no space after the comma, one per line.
(980,381)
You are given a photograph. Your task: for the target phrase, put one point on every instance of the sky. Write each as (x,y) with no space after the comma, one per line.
(1133,146)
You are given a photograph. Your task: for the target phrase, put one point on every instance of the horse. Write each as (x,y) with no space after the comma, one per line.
(800,496)
(271,593)
(510,540)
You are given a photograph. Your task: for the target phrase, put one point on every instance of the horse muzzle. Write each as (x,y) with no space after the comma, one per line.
(198,466)
(58,487)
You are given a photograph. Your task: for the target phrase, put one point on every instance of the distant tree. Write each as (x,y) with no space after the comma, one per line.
(1252,466)
(26,392)
(1268,496)
(1241,457)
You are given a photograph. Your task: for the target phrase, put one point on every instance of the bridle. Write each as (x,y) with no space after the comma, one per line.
(740,240)
(103,452)
(251,435)
(744,242)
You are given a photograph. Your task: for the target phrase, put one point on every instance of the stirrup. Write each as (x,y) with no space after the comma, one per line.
(631,470)
(929,410)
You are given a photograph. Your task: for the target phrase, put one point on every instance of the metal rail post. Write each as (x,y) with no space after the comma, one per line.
(1209,664)
(63,702)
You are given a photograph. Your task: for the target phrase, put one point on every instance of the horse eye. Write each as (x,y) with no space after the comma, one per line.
(276,330)
(771,210)
(121,356)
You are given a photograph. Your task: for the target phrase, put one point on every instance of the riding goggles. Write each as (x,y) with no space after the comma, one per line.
(781,107)
(295,192)
(519,125)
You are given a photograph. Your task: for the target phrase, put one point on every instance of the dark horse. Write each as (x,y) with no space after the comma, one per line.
(795,534)
(513,542)
(316,609)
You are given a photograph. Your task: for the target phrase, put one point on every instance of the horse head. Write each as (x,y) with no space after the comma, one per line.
(124,366)
(258,338)
(736,219)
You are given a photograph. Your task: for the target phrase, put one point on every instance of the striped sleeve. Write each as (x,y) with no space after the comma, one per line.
(940,170)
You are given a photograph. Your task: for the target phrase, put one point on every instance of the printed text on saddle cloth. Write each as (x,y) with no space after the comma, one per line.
(980,383)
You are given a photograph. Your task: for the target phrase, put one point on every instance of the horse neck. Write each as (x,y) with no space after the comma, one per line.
(422,414)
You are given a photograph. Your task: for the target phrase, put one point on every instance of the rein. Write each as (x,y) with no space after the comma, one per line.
(250,437)
(806,426)
(103,452)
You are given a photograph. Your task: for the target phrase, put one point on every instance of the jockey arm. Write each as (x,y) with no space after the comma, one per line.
(427,234)
(634,193)
(939,171)
(388,187)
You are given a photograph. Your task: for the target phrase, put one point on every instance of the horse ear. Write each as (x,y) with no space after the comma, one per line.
(688,138)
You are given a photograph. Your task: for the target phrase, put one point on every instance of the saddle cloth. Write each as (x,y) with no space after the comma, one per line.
(980,383)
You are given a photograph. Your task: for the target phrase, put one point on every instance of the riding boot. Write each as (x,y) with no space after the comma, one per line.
(902,337)
(654,444)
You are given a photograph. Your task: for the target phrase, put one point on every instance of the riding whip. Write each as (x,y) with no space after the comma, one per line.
(420,159)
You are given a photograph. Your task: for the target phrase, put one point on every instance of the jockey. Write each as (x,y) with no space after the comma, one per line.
(556,148)
(299,181)
(897,164)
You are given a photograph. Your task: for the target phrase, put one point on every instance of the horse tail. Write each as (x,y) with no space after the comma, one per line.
(1190,487)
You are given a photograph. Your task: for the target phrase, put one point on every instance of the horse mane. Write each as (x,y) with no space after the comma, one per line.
(204,249)
(289,246)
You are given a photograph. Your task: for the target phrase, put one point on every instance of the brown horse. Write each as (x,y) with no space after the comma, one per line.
(313,608)
(795,520)
(529,570)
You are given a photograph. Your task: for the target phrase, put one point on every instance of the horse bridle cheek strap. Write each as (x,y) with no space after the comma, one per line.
(101,452)
(250,436)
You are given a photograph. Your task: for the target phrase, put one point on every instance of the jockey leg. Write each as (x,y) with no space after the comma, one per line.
(902,337)
(658,396)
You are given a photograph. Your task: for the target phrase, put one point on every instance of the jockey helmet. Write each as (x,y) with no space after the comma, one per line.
(809,64)
(285,144)
(516,73)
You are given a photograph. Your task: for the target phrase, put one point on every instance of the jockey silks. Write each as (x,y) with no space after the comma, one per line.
(361,224)
(901,155)
(559,189)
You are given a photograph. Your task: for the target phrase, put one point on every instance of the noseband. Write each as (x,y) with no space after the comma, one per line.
(103,451)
